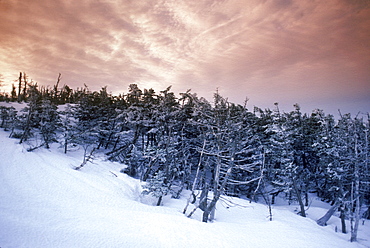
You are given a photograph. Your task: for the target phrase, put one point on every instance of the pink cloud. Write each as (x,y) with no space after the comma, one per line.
(287,50)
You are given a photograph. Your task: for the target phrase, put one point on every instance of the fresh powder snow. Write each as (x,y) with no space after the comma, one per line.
(44,202)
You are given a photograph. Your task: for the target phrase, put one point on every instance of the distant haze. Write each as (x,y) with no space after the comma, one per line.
(315,53)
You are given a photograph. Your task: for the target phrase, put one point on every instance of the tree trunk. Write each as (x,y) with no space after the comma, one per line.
(299,197)
(355,197)
(322,221)
(196,178)
(203,198)
(216,196)
(273,196)
(27,128)
(343,220)
(147,172)
(306,199)
(356,218)
(65,145)
(210,207)
(20,87)
(159,200)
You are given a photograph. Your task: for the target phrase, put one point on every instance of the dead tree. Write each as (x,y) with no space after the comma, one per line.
(322,221)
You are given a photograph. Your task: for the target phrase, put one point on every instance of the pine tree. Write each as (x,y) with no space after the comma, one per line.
(157,186)
(49,122)
(68,126)
(227,149)
(30,118)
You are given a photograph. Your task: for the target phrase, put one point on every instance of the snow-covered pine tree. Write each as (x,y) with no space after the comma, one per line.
(86,132)
(8,117)
(49,122)
(157,186)
(346,155)
(68,126)
(29,119)
(163,153)
(226,149)
(290,158)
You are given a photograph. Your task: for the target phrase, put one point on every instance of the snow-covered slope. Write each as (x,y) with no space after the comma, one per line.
(44,202)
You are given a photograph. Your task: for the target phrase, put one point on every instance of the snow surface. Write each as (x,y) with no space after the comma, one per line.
(44,202)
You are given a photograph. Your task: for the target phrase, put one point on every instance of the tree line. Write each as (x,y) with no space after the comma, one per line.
(210,148)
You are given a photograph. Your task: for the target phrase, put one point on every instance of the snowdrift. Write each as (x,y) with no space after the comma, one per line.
(44,202)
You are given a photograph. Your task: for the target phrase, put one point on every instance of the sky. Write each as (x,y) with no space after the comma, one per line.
(315,53)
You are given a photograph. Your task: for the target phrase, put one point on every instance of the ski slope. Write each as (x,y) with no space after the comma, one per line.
(44,202)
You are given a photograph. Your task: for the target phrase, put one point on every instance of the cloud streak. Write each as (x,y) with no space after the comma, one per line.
(285,50)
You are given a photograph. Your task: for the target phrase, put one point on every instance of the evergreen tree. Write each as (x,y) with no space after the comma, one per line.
(49,122)
(157,186)
(29,120)
(227,149)
(68,126)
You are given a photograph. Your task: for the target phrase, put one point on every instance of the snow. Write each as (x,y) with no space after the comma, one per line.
(44,202)
(16,105)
